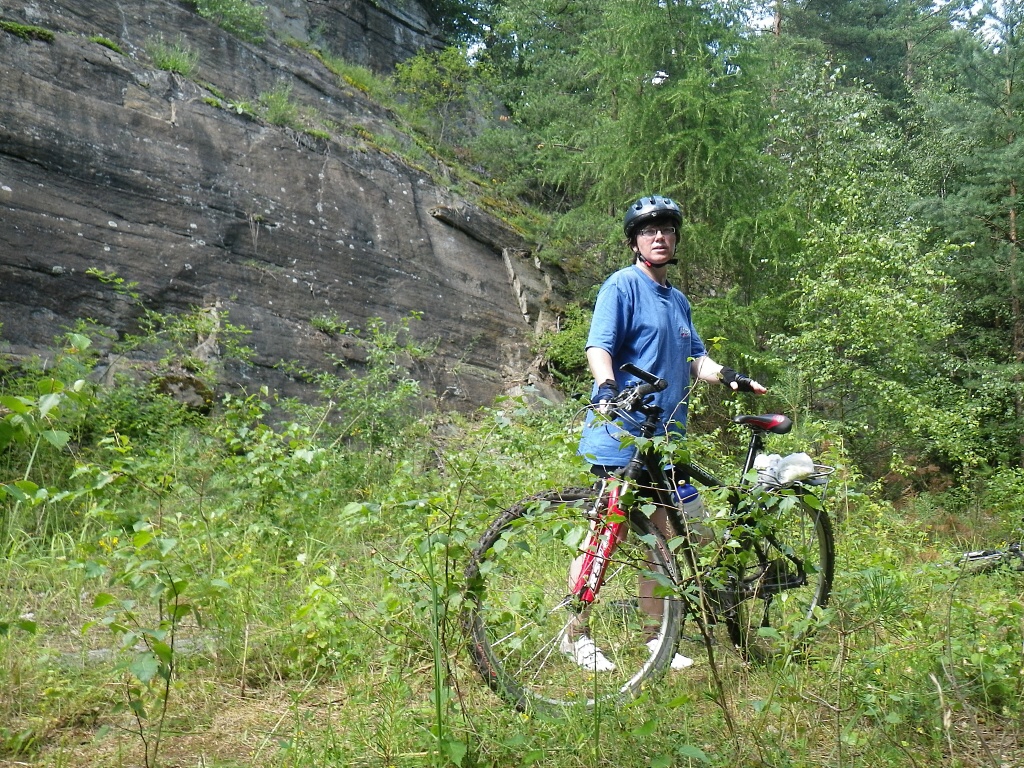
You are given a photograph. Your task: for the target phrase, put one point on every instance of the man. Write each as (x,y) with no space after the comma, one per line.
(640,318)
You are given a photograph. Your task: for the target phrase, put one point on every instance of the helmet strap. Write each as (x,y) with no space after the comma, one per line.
(648,264)
(651,265)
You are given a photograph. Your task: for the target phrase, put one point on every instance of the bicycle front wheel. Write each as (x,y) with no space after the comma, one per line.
(782,577)
(521,619)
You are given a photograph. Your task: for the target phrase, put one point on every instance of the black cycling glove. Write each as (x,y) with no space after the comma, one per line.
(743,382)
(607,390)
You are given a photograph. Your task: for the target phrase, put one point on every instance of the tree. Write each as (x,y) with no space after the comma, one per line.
(886,43)
(976,199)
(679,114)
(442,88)
(460,21)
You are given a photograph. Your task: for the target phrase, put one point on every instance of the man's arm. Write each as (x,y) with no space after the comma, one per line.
(706,369)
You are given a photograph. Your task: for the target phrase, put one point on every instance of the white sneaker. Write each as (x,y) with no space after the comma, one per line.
(586,653)
(678,661)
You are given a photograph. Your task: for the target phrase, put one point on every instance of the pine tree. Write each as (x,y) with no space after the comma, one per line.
(885,43)
(977,201)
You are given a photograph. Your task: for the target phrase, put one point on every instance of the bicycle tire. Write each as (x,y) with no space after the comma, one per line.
(515,610)
(771,609)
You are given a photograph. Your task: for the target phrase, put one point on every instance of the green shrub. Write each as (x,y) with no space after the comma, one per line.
(330,324)
(173,57)
(355,75)
(565,349)
(238,17)
(279,109)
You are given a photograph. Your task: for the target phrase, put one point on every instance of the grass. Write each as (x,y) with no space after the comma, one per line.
(896,672)
(27,31)
(106,43)
(321,561)
(176,56)
(355,75)
(246,20)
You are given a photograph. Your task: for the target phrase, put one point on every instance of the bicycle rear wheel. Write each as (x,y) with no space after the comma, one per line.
(781,578)
(518,610)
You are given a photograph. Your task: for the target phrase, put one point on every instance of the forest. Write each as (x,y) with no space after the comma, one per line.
(273,582)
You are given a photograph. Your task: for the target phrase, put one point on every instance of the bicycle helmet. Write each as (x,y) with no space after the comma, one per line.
(647,209)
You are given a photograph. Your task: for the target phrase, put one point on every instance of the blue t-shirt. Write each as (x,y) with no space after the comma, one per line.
(636,320)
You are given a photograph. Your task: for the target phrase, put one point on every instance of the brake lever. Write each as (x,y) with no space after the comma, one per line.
(629,398)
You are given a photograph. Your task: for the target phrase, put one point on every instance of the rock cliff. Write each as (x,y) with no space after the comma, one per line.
(109,163)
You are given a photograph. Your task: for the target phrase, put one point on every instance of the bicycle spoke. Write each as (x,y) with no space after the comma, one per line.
(787,575)
(519,616)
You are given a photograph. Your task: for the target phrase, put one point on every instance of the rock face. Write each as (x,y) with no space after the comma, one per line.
(108,163)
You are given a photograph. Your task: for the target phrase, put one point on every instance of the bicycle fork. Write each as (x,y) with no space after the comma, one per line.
(604,537)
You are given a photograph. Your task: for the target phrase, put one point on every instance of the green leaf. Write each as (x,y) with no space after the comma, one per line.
(455,750)
(58,438)
(646,729)
(102,600)
(144,667)
(48,402)
(692,753)
(812,501)
(78,341)
(14,492)
(20,405)
(25,625)
(163,652)
(8,433)
(137,707)
(165,545)
(679,701)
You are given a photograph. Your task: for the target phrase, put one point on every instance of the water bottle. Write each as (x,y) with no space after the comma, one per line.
(689,499)
(694,513)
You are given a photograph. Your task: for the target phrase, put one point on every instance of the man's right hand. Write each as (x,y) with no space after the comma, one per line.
(606,393)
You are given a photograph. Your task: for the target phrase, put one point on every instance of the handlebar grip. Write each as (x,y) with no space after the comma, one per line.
(646,376)
(643,390)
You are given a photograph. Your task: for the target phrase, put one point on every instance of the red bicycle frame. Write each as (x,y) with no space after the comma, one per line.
(604,537)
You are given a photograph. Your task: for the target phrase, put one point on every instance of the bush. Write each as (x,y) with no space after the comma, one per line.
(238,17)
(173,57)
(279,109)
(565,349)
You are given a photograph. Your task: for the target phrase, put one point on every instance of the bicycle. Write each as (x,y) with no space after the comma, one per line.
(772,573)
(985,560)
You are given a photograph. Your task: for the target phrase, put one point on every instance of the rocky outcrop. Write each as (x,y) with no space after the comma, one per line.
(110,165)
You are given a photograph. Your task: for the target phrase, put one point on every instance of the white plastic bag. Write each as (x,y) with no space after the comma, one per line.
(780,472)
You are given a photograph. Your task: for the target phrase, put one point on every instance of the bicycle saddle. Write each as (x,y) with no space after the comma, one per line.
(775,423)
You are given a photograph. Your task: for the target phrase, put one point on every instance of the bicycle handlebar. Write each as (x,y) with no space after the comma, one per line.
(632,397)
(646,376)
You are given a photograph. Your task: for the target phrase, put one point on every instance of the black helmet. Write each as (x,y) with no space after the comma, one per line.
(647,209)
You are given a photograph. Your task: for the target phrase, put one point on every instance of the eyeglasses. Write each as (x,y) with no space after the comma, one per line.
(653,231)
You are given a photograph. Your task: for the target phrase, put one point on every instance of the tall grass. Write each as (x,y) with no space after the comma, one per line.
(176,56)
(239,17)
(316,569)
